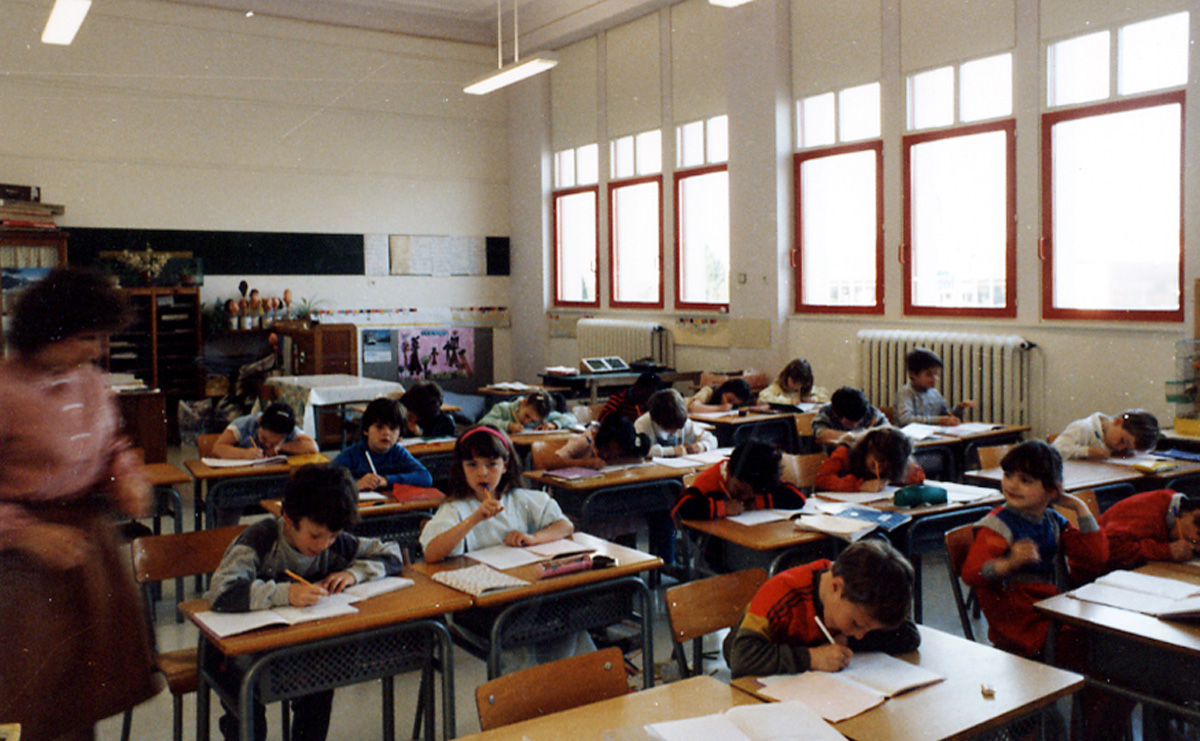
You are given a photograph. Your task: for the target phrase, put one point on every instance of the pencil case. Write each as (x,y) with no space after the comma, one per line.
(918,494)
(564,566)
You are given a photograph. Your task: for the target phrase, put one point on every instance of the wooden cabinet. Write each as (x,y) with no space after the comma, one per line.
(22,253)
(318,349)
(162,345)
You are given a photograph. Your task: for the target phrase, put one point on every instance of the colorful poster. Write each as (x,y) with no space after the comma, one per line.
(376,346)
(435,354)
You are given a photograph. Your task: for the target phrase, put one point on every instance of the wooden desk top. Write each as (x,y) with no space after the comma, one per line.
(1173,635)
(425,599)
(430,447)
(1077,474)
(1003,430)
(737,417)
(165,474)
(690,698)
(955,708)
(629,562)
(365,509)
(619,477)
(530,437)
(505,392)
(768,536)
(203,472)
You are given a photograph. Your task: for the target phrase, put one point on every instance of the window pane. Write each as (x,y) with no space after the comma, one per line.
(931,98)
(575,221)
(622,157)
(1078,69)
(959,221)
(817,121)
(1117,209)
(691,144)
(564,168)
(858,112)
(1153,54)
(839,238)
(635,217)
(718,139)
(588,164)
(649,152)
(985,88)
(704,238)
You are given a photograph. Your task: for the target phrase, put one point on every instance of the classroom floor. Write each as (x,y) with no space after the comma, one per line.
(356,709)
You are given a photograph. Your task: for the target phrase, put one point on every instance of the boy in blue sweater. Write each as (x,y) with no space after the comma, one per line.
(377,461)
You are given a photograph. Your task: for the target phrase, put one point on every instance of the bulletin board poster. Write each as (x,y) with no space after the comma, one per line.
(377,346)
(435,354)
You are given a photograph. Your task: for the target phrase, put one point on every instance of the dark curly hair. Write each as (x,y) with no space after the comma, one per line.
(67,302)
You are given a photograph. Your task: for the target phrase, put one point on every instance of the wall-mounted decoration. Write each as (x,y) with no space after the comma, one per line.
(146,267)
(447,352)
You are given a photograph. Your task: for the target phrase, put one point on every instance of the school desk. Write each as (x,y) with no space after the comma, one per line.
(597,721)
(307,394)
(507,392)
(392,633)
(398,522)
(960,446)
(956,708)
(206,476)
(164,477)
(1156,662)
(589,384)
(1087,474)
(778,428)
(581,600)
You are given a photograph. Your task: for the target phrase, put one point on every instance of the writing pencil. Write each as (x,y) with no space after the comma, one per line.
(302,580)
(820,625)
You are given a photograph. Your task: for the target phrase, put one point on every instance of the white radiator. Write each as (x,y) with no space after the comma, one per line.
(994,370)
(627,339)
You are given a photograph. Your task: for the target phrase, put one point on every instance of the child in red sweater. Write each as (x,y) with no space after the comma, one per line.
(1158,525)
(749,480)
(870,463)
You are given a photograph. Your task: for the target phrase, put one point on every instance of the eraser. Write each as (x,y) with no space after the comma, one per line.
(988,691)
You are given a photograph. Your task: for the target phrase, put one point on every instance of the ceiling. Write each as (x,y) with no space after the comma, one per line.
(543,24)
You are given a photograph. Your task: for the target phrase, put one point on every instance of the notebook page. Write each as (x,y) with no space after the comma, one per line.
(556,548)
(708,727)
(504,556)
(781,721)
(757,517)
(331,606)
(833,700)
(887,674)
(1147,584)
(376,587)
(231,623)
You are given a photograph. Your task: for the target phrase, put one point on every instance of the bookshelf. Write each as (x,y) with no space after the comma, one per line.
(162,345)
(26,250)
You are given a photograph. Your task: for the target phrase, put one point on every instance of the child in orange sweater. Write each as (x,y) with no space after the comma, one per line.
(877,458)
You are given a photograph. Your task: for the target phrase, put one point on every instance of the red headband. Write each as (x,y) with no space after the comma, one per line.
(490,430)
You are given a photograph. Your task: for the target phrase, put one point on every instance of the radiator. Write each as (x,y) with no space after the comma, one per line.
(627,339)
(994,370)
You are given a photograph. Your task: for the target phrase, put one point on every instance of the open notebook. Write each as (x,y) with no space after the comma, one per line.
(1151,595)
(793,721)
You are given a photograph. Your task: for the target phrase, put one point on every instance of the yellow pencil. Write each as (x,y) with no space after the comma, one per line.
(297,577)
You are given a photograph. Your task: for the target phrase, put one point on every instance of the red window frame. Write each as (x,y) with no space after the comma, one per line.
(613,267)
(1009,310)
(680,176)
(556,195)
(1046,246)
(797,256)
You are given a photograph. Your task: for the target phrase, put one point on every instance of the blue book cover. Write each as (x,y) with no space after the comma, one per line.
(887,521)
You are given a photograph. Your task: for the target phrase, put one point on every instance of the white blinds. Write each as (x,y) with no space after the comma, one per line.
(698,83)
(835,45)
(573,96)
(937,32)
(633,77)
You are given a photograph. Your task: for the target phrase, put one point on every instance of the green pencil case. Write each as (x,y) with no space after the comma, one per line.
(918,494)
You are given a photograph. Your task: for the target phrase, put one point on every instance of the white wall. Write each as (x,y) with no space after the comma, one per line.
(166,116)
(1088,366)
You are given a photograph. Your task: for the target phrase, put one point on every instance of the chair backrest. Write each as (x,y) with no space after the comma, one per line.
(890,413)
(205,444)
(159,557)
(958,544)
(991,455)
(937,462)
(804,424)
(542,454)
(1089,498)
(707,605)
(801,470)
(549,688)
(587,413)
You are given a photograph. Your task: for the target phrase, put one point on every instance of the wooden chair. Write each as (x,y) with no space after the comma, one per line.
(543,454)
(701,607)
(890,413)
(991,455)
(958,543)
(205,444)
(160,557)
(1089,498)
(804,426)
(801,470)
(549,688)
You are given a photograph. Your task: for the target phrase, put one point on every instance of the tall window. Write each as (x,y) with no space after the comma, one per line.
(635,208)
(839,203)
(576,249)
(702,215)
(960,191)
(1112,212)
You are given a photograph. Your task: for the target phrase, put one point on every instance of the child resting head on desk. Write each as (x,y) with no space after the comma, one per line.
(848,410)
(793,386)
(815,616)
(377,461)
(670,431)
(749,480)
(308,540)
(539,410)
(1161,525)
(484,507)
(919,400)
(870,462)
(424,416)
(1100,436)
(729,395)
(611,440)
(270,432)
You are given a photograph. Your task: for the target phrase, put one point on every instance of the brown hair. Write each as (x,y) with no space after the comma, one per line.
(797,370)
(482,441)
(877,577)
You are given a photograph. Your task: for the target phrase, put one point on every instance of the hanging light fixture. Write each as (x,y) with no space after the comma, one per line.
(518,69)
(728,3)
(65,19)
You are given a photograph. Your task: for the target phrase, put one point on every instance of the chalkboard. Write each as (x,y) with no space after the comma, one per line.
(229,253)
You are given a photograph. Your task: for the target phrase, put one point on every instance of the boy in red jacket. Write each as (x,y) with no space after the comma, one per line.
(1161,525)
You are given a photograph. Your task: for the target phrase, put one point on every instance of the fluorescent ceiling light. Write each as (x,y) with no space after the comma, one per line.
(510,73)
(728,3)
(65,20)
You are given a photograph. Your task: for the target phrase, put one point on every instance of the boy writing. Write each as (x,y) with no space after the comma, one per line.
(271,432)
(377,461)
(749,480)
(919,400)
(848,410)
(1100,436)
(308,539)
(861,599)
(670,431)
